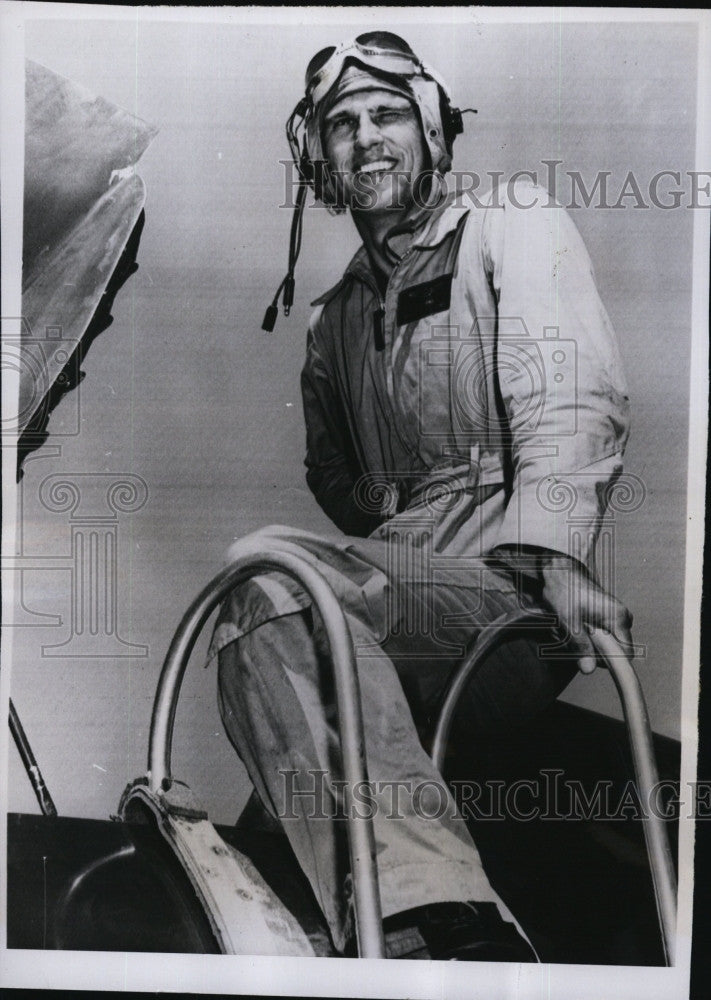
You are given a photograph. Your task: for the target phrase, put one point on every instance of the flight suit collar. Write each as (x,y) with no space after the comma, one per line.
(426,230)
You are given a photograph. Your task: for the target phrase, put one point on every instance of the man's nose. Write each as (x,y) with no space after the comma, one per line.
(368,133)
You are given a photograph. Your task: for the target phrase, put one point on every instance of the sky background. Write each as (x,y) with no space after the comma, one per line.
(186,391)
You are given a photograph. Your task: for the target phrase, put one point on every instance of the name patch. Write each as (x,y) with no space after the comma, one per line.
(425,299)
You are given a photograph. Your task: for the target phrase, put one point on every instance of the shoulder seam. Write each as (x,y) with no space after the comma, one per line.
(332,292)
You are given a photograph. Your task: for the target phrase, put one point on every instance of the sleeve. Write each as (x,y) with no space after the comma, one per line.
(559,375)
(332,470)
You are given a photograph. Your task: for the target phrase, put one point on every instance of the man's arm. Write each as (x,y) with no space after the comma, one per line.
(332,469)
(568,438)
(567,588)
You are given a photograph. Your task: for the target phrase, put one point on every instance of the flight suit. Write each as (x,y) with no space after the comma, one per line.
(474,413)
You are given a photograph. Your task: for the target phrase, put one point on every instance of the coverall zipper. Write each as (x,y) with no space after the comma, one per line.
(379,344)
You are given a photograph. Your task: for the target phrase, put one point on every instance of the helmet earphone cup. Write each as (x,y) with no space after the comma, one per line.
(452,122)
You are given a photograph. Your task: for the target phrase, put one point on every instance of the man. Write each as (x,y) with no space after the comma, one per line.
(461,382)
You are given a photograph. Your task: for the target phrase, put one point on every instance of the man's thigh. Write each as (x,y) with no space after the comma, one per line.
(429,629)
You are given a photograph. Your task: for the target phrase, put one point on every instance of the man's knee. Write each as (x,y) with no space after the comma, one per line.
(257,541)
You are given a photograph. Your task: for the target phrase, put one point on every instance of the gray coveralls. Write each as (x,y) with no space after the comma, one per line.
(481,403)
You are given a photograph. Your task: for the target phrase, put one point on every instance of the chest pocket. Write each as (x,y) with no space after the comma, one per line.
(424,299)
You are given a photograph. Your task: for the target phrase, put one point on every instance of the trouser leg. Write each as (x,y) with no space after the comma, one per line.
(276,697)
(514,684)
(278,706)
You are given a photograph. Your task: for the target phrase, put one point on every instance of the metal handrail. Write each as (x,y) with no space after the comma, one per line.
(640,737)
(647,775)
(489,638)
(361,836)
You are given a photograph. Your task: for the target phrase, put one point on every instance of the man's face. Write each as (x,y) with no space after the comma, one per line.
(374,145)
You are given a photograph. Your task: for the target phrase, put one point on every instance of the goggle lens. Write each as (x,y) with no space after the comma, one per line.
(318,62)
(372,43)
(384,41)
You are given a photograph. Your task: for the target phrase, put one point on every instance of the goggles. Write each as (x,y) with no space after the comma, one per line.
(378,50)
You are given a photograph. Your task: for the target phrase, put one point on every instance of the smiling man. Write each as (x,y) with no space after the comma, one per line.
(459,379)
(375,150)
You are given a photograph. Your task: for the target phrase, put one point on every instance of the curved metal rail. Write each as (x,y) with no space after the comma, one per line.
(489,638)
(645,766)
(361,837)
(640,737)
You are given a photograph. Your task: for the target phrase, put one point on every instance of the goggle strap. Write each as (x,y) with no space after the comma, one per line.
(427,71)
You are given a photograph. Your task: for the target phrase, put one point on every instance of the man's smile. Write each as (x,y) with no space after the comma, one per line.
(376,168)
(375,148)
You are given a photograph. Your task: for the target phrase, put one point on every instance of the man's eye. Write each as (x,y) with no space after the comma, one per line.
(341,126)
(389,116)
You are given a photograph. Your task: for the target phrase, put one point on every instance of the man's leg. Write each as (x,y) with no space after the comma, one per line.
(516,681)
(514,685)
(277,704)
